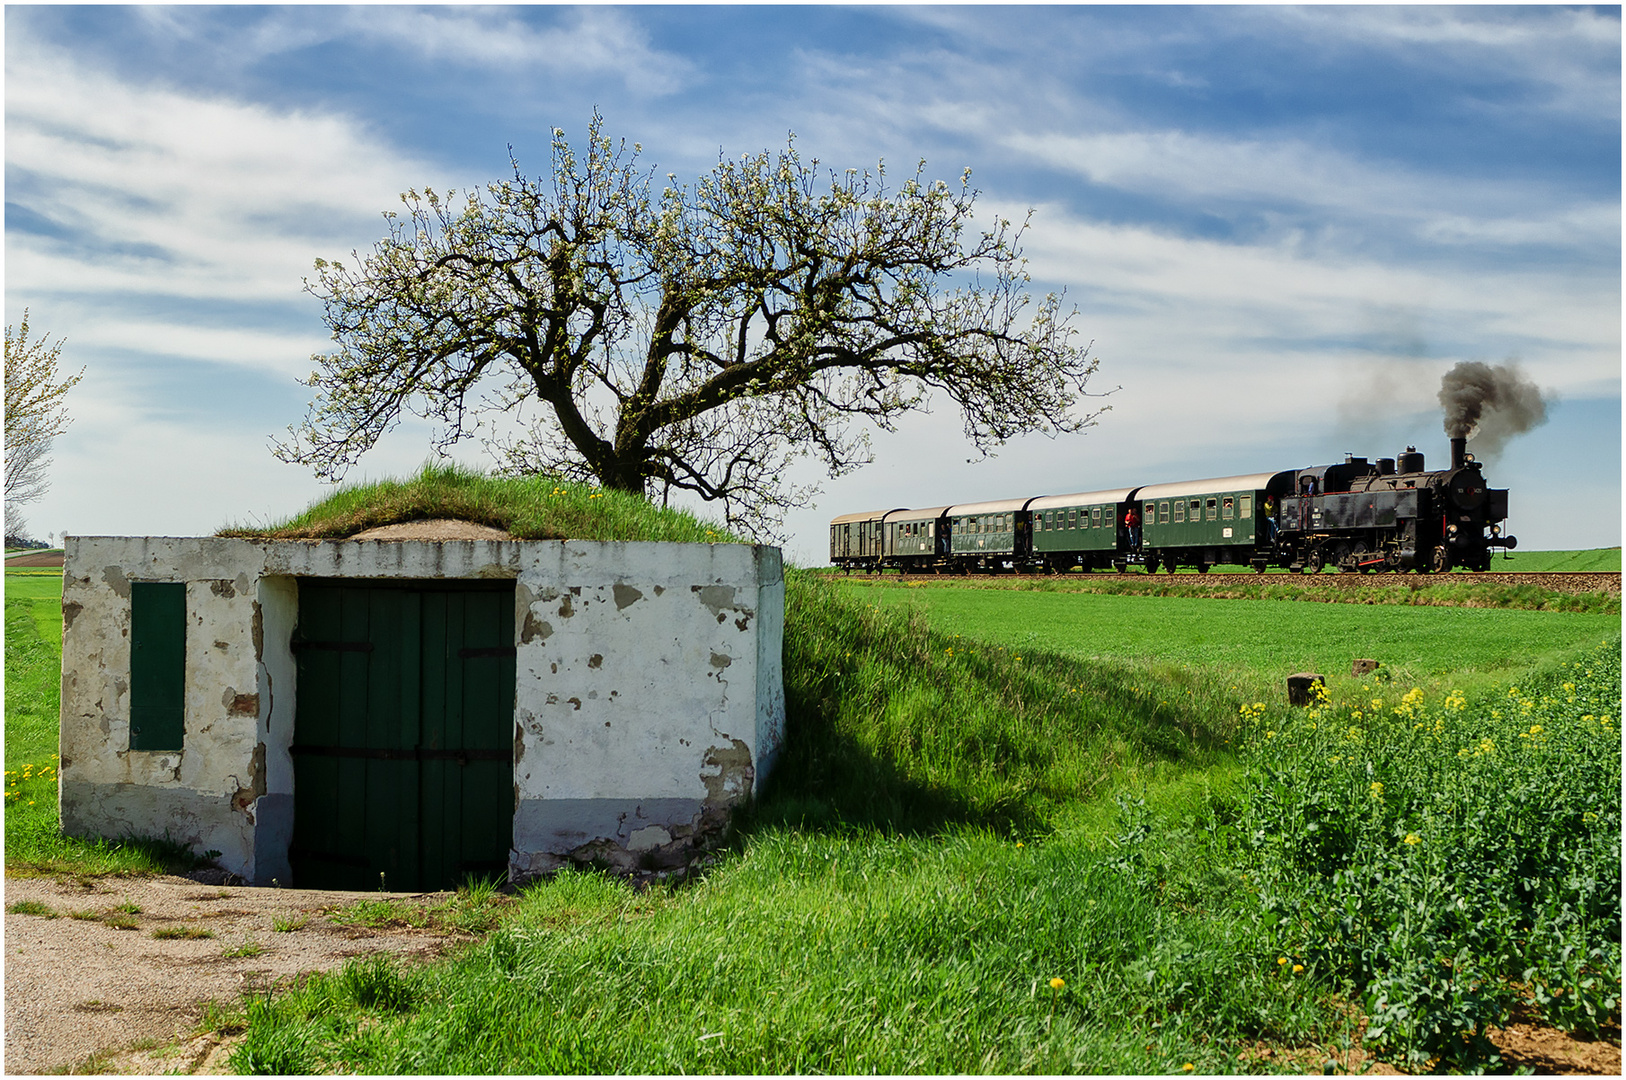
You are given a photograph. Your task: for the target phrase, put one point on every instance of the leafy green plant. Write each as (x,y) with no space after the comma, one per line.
(1447,859)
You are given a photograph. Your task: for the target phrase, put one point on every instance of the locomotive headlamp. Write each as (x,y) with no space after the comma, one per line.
(1452,529)
(1496,530)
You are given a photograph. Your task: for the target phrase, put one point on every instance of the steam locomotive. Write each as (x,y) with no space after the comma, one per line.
(1357,516)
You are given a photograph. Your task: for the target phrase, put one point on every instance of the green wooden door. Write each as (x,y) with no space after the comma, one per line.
(403,733)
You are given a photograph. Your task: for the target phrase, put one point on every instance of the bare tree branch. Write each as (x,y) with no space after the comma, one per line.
(697,339)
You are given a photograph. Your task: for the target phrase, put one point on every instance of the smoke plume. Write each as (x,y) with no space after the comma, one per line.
(1489,404)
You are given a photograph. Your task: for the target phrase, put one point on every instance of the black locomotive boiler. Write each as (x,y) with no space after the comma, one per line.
(1357,516)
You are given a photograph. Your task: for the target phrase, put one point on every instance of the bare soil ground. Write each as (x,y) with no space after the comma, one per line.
(53,558)
(1525,1047)
(86,996)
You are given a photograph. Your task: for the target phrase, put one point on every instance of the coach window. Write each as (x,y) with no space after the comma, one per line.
(1196,509)
(1162,513)
(1072,519)
(1180,510)
(1247,506)
(1213,512)
(1230,508)
(1095,516)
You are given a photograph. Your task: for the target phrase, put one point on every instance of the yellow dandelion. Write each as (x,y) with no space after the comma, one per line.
(1188,1067)
(1280,960)
(1297,968)
(1057,984)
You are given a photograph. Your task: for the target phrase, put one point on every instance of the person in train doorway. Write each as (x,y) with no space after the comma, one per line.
(1132,523)
(1270,517)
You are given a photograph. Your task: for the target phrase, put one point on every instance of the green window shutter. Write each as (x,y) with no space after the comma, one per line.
(157,665)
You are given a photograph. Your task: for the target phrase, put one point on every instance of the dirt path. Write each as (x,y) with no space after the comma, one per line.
(87,996)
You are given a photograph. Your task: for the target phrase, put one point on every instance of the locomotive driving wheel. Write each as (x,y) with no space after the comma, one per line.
(1439,560)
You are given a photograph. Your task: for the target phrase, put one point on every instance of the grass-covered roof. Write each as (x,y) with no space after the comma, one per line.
(528,508)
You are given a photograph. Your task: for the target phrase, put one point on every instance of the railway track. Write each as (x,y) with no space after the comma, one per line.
(1570,582)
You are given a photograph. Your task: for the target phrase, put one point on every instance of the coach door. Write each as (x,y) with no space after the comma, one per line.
(403,733)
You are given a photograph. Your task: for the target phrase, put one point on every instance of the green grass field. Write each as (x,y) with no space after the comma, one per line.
(1027,831)
(1594,559)
(1259,639)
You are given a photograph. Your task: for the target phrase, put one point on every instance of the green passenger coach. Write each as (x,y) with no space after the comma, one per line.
(990,534)
(913,539)
(1203,523)
(856,539)
(1086,529)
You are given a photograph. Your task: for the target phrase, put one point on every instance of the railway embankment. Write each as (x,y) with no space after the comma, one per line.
(1597,592)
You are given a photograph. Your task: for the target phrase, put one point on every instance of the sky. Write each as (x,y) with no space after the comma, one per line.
(1280,226)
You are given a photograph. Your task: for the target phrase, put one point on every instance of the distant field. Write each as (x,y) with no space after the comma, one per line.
(43,591)
(1593,559)
(1263,638)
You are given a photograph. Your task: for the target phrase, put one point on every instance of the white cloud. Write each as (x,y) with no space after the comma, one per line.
(1210,171)
(161,192)
(1573,54)
(169,226)
(1195,296)
(589,41)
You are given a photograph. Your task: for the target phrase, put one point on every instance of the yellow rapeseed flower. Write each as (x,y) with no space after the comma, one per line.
(1413,838)
(1376,791)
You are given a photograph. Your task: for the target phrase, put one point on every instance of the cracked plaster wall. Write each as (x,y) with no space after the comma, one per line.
(649,698)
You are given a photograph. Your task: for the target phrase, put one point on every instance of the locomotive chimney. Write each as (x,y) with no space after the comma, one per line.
(1459,451)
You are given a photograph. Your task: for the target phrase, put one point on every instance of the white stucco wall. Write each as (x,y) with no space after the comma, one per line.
(648,696)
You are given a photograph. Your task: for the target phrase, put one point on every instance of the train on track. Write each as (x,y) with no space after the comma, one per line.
(1391,515)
